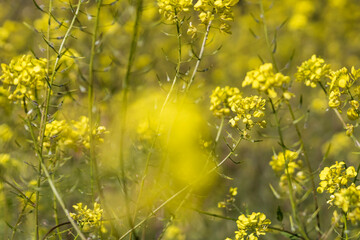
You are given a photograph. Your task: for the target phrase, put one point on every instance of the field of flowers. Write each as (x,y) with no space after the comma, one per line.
(179,119)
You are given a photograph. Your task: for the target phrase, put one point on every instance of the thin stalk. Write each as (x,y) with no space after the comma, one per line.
(37,196)
(56,215)
(262,16)
(345,227)
(44,115)
(124,106)
(91,98)
(291,193)
(182,190)
(21,216)
(307,164)
(199,58)
(18,190)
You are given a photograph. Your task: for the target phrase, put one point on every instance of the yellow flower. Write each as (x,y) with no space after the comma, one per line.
(278,161)
(73,134)
(170,9)
(251,226)
(24,77)
(312,71)
(265,80)
(335,176)
(219,100)
(86,217)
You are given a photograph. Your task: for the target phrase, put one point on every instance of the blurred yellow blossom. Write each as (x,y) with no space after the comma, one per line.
(5,133)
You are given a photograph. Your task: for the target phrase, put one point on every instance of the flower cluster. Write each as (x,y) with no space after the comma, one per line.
(265,80)
(24,77)
(170,9)
(312,71)
(230,199)
(340,83)
(246,110)
(278,161)
(220,100)
(222,8)
(288,163)
(348,199)
(251,226)
(73,134)
(86,217)
(334,177)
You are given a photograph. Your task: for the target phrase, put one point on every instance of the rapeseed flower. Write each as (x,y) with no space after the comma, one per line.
(73,134)
(24,77)
(334,177)
(265,80)
(250,227)
(312,71)
(87,218)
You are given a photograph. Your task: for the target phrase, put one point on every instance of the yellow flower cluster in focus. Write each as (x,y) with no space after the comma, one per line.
(73,134)
(86,217)
(170,9)
(229,102)
(222,8)
(220,100)
(312,71)
(335,176)
(251,226)
(24,77)
(265,80)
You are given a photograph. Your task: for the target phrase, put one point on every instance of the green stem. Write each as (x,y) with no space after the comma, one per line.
(37,196)
(22,214)
(345,227)
(124,106)
(262,16)
(199,58)
(307,164)
(91,98)
(291,193)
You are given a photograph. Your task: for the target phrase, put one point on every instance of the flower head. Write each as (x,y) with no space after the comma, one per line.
(251,226)
(311,71)
(24,77)
(265,80)
(86,217)
(335,176)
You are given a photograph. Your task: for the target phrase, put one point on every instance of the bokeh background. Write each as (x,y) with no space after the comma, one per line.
(300,28)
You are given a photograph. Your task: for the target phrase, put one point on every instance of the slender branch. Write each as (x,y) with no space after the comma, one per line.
(201,53)
(55,227)
(91,99)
